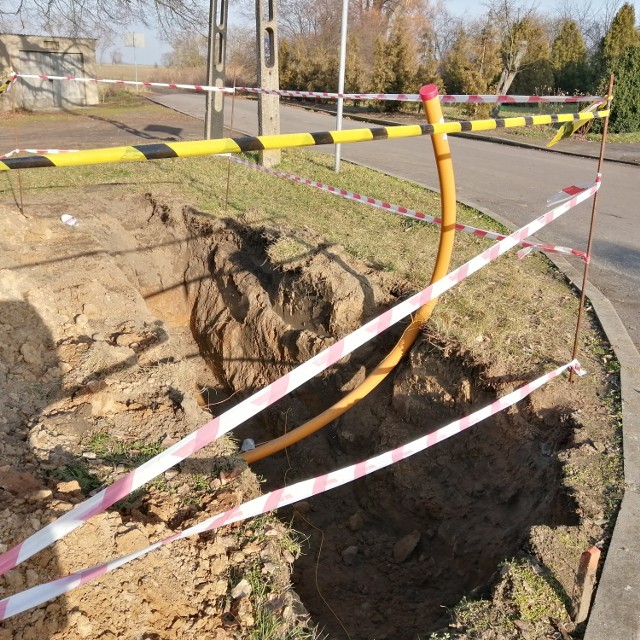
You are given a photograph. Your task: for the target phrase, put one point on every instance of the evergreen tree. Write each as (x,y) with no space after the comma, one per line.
(622,34)
(382,74)
(285,67)
(354,77)
(536,78)
(458,64)
(402,54)
(306,67)
(625,108)
(473,65)
(535,74)
(569,58)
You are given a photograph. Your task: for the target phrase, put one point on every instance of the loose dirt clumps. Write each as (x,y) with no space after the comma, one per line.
(116,333)
(93,384)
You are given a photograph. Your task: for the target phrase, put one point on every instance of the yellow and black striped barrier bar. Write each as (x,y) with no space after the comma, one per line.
(142,152)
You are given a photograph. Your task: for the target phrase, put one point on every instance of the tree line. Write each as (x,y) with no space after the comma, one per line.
(398,45)
(394,46)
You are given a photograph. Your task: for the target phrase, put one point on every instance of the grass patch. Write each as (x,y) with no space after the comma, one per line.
(79,471)
(117,452)
(631,137)
(527,597)
(530,320)
(268,624)
(112,452)
(257,530)
(535,597)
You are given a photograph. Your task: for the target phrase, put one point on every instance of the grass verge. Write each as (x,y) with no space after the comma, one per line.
(509,326)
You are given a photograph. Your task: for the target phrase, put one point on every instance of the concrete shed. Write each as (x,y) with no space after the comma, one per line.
(48,55)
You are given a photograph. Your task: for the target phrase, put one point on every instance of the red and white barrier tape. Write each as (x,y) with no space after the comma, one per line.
(411,213)
(135,83)
(566,193)
(289,93)
(35,596)
(271,393)
(13,152)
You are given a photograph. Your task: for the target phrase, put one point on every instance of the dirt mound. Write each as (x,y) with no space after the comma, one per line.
(94,381)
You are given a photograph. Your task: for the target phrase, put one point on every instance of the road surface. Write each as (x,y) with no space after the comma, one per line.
(510,181)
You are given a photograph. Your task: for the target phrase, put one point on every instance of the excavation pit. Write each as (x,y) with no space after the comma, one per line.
(385,554)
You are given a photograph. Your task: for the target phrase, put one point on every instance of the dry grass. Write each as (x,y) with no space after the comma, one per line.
(152,73)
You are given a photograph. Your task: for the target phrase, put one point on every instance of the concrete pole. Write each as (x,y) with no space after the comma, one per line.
(216,58)
(268,75)
(341,74)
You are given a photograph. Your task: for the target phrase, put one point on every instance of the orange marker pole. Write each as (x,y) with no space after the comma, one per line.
(592,226)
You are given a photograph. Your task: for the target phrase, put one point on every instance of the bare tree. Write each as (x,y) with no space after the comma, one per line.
(105,40)
(84,17)
(309,18)
(441,30)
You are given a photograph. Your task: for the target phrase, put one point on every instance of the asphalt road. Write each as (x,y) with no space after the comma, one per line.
(510,181)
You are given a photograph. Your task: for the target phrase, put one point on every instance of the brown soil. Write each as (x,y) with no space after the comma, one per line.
(116,327)
(85,356)
(403,543)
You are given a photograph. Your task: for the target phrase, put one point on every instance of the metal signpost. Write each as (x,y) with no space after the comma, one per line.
(135,40)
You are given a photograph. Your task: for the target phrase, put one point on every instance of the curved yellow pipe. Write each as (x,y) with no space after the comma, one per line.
(433,112)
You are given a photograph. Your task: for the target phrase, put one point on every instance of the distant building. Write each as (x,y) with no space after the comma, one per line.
(51,56)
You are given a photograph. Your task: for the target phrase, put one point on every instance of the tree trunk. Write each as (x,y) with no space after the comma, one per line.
(508,75)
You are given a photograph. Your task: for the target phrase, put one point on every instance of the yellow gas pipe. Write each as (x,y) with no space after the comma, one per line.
(433,112)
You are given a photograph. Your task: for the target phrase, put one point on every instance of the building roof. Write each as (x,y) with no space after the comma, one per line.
(45,36)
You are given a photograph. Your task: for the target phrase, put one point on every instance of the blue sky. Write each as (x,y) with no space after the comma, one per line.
(151,53)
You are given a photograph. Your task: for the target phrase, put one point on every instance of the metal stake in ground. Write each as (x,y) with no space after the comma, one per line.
(583,293)
(233,104)
(16,120)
